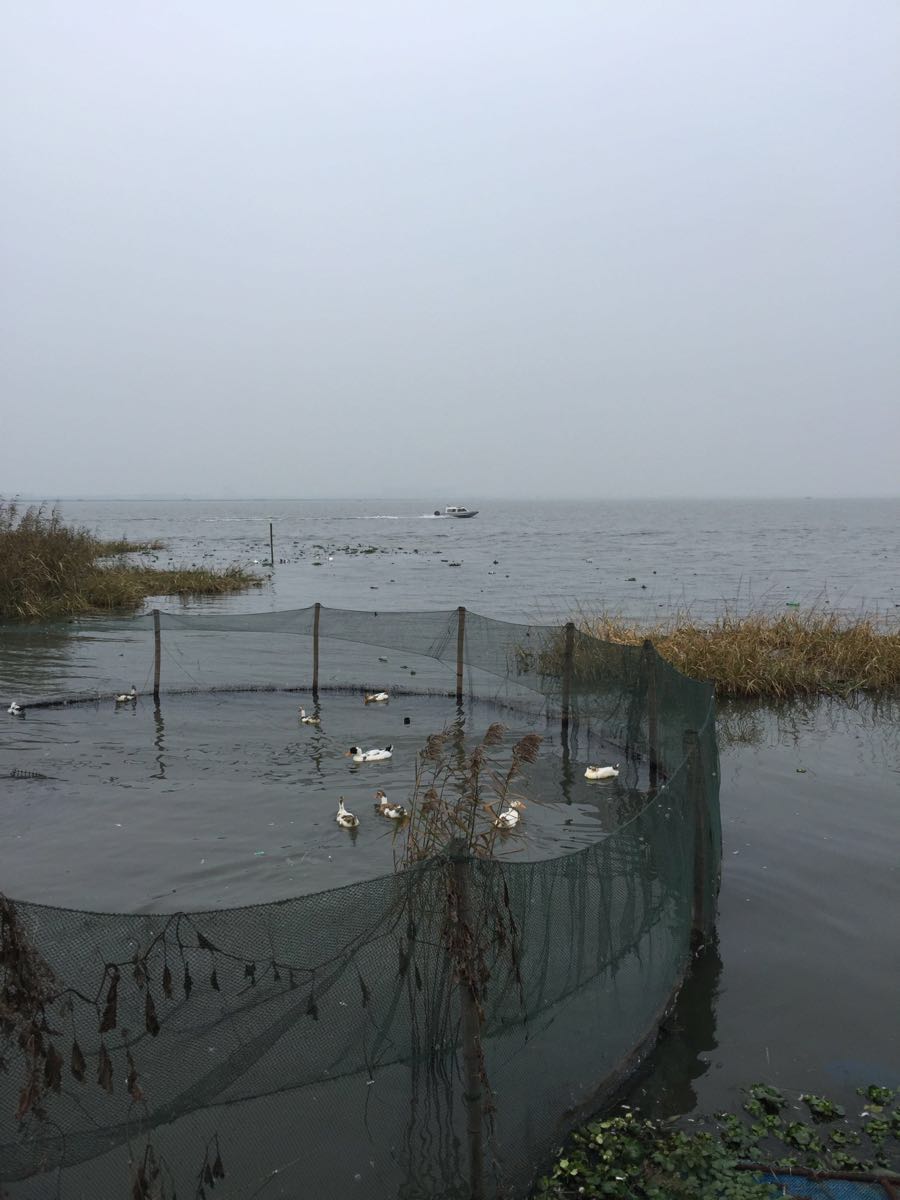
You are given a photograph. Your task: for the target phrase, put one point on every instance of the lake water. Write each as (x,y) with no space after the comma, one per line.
(530,560)
(802,987)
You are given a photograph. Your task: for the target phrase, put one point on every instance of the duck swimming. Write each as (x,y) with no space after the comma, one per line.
(361,756)
(15,710)
(602,772)
(375,697)
(308,718)
(507,819)
(127,697)
(345,819)
(394,812)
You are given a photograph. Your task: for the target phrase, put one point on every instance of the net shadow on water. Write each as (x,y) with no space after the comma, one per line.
(433,1031)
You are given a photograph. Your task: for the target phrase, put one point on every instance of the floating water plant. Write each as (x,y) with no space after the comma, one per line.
(630,1158)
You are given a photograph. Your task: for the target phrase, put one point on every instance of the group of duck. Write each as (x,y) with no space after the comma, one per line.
(129,697)
(383,806)
(506,819)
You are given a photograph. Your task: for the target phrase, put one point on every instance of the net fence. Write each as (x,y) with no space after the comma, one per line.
(433,1032)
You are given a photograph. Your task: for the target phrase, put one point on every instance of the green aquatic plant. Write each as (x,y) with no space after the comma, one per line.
(822,1108)
(625,1156)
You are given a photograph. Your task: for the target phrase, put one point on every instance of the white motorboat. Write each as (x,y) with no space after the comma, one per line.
(456,510)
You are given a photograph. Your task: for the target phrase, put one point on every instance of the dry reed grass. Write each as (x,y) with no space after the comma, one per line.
(460,792)
(771,655)
(50,569)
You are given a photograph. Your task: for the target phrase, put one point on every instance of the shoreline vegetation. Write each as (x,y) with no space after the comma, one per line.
(50,569)
(767,655)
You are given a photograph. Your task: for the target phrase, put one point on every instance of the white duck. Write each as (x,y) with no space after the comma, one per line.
(602,772)
(15,710)
(361,756)
(127,697)
(508,819)
(394,812)
(308,718)
(345,819)
(375,697)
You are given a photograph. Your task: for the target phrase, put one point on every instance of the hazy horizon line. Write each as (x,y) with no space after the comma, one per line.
(199,497)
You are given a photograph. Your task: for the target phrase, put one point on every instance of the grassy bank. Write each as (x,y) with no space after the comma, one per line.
(50,569)
(770,655)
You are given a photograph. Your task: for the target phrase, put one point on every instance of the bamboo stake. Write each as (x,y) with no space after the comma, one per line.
(157,656)
(460,650)
(315,687)
(271,545)
(702,911)
(568,658)
(652,713)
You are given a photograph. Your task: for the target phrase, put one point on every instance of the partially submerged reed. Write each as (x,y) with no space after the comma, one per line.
(51,569)
(771,655)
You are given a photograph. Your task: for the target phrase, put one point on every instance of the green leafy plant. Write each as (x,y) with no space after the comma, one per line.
(626,1157)
(764,1100)
(822,1108)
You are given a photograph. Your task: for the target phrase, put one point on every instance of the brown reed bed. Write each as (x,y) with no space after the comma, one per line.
(770,655)
(51,569)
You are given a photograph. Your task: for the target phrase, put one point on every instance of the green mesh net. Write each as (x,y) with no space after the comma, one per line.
(434,1032)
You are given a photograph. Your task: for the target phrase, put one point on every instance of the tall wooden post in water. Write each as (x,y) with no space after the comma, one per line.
(460,651)
(652,712)
(157,656)
(703,906)
(271,545)
(568,660)
(315,687)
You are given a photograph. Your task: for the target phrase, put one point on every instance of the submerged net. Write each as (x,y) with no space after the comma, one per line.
(431,1033)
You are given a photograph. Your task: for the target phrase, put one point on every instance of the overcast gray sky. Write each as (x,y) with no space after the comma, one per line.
(451,249)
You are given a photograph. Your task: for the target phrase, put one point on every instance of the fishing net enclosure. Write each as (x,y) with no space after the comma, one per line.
(431,1032)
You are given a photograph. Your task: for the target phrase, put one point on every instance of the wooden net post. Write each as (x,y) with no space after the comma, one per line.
(702,912)
(271,545)
(316,613)
(460,651)
(157,656)
(652,713)
(568,659)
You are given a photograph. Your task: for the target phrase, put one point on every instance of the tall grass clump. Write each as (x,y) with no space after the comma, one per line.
(51,569)
(771,655)
(459,793)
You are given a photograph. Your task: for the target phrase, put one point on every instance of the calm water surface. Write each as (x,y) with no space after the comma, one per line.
(802,986)
(525,561)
